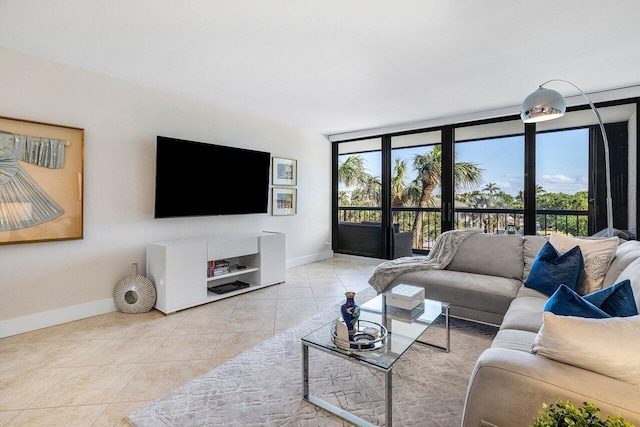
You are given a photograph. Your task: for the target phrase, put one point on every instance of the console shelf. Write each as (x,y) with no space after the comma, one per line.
(178,268)
(234,272)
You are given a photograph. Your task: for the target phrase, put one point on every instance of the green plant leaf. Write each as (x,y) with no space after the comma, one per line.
(565,414)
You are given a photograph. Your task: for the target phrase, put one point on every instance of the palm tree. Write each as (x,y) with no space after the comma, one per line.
(539,191)
(343,198)
(398,187)
(491,188)
(352,172)
(429,168)
(373,189)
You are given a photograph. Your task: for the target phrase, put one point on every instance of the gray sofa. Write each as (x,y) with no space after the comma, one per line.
(484,283)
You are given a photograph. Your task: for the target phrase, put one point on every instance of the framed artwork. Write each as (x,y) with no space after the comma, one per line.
(41,181)
(284,201)
(285,171)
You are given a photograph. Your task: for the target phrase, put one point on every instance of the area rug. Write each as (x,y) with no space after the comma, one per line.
(263,386)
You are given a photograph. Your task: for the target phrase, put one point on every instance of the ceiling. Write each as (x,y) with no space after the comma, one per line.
(335,66)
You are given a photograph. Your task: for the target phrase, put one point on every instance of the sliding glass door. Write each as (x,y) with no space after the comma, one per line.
(416,191)
(359,178)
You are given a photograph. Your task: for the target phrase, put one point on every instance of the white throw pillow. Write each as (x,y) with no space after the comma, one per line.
(610,346)
(597,254)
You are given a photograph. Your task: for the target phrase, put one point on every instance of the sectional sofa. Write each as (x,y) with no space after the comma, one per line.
(484,282)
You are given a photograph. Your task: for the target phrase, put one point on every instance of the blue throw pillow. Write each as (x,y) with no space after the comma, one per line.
(550,270)
(616,300)
(566,302)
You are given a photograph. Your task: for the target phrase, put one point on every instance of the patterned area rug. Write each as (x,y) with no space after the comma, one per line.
(263,386)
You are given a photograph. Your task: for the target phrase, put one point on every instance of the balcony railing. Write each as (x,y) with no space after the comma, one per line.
(491,220)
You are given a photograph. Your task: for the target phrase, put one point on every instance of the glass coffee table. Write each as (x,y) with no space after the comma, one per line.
(404,328)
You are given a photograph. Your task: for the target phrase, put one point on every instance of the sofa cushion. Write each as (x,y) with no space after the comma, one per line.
(525,314)
(514,339)
(566,302)
(632,272)
(550,269)
(487,293)
(616,300)
(532,245)
(597,253)
(528,292)
(606,346)
(626,253)
(490,254)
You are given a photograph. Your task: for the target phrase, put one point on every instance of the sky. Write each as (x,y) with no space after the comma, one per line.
(562,161)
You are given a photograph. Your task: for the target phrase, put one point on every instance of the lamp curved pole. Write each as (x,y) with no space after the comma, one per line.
(606,153)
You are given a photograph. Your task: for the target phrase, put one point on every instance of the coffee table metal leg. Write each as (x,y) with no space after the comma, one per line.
(305,371)
(388,400)
(447,327)
(345,415)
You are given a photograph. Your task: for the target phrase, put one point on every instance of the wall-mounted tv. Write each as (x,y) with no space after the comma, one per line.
(197,179)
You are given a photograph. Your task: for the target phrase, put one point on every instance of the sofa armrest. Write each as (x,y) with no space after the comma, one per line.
(508,387)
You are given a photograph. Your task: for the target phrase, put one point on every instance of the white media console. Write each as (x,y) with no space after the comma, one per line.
(178,268)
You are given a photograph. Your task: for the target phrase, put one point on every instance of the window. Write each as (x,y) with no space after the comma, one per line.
(490,175)
(489,172)
(415,186)
(562,182)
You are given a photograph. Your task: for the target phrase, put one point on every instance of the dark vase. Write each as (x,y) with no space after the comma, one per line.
(350,314)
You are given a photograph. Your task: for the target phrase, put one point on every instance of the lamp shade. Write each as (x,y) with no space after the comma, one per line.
(541,105)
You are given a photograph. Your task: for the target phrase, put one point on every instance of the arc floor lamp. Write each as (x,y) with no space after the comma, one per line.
(547,104)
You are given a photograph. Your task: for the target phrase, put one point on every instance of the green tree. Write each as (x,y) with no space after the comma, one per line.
(569,224)
(352,172)
(373,189)
(520,196)
(429,168)
(399,189)
(491,188)
(509,200)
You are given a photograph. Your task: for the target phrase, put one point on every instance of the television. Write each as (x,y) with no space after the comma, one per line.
(200,179)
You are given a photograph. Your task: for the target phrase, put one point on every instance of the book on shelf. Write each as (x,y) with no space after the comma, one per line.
(221,271)
(222,263)
(218,268)
(210,268)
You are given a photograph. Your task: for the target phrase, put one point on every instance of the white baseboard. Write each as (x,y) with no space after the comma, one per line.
(296,262)
(368,260)
(45,319)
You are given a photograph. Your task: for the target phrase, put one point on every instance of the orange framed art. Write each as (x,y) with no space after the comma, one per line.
(41,181)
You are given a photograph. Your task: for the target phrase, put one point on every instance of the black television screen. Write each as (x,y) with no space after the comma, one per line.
(196,179)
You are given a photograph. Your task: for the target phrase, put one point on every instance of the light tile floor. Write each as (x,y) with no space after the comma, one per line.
(93,372)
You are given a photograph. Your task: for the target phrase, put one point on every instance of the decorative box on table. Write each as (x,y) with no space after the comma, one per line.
(405,315)
(406,297)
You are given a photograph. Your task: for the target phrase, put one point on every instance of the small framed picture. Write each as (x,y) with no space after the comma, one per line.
(284,201)
(285,171)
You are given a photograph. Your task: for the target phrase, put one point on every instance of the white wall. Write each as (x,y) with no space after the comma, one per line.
(49,283)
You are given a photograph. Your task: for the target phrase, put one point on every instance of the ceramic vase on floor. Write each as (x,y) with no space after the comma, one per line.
(134,293)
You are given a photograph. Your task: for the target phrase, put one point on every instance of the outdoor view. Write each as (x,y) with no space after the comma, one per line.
(489,180)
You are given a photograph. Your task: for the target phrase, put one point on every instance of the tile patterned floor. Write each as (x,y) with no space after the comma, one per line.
(92,372)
